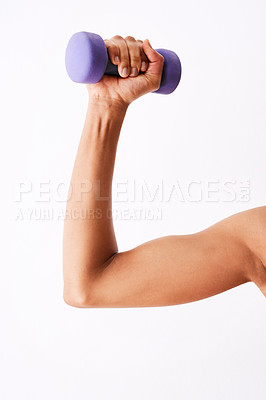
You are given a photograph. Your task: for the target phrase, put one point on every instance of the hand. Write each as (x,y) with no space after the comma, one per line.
(131,56)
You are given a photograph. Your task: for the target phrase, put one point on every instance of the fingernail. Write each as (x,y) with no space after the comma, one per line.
(134,72)
(143,65)
(116,59)
(124,71)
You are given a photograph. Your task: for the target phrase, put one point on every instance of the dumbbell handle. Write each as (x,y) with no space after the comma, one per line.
(111,69)
(87,59)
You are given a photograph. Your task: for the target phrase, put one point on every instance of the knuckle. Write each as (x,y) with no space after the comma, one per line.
(117,37)
(124,60)
(135,59)
(130,38)
(113,51)
(112,46)
(136,65)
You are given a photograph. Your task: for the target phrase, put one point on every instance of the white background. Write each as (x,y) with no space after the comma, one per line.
(212,128)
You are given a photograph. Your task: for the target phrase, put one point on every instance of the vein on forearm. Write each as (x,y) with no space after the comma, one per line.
(97,148)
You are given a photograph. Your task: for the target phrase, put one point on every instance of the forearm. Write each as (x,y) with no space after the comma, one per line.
(89,239)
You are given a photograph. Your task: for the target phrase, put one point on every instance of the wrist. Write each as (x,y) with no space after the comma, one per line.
(107,103)
(106,113)
(104,119)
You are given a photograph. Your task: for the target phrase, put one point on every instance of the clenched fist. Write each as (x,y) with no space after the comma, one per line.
(131,56)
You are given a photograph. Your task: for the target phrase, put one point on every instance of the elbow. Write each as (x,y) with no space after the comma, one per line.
(77,298)
(77,288)
(84,292)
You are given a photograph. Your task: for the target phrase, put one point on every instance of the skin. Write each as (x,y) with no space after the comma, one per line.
(166,271)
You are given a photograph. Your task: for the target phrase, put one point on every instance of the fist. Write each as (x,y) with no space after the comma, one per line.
(131,56)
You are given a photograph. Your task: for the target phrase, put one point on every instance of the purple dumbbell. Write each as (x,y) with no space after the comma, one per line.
(87,60)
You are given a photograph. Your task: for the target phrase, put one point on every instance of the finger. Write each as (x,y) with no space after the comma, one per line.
(124,65)
(156,60)
(134,55)
(144,59)
(113,51)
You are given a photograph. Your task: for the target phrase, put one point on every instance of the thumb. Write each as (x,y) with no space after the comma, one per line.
(156,60)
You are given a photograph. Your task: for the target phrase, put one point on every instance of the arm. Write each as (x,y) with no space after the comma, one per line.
(169,270)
